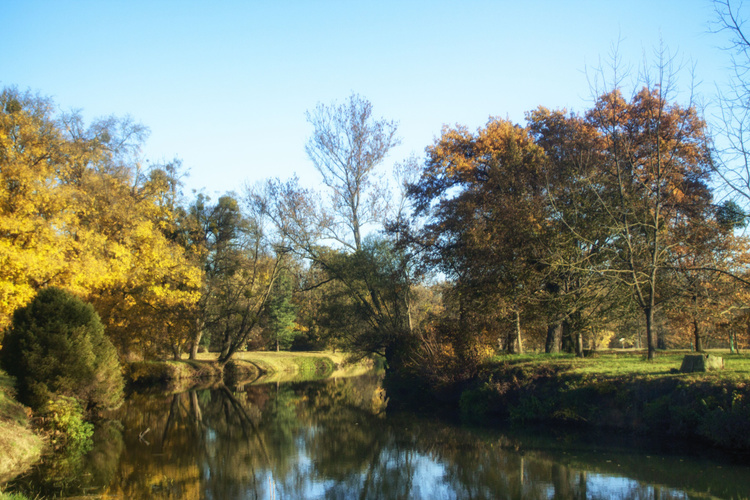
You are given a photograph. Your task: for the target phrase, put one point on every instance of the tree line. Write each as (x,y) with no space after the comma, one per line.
(619,226)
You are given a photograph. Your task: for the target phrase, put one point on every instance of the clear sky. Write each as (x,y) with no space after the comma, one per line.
(224,85)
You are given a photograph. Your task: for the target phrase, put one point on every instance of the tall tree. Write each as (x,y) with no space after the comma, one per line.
(574,296)
(371,284)
(483,195)
(282,313)
(346,146)
(76,212)
(240,270)
(653,178)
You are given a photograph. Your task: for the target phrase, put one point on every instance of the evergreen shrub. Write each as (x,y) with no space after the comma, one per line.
(56,346)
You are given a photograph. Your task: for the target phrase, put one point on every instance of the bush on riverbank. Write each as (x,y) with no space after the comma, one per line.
(619,392)
(56,347)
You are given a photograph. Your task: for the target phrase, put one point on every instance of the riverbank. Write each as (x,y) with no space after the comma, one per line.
(19,446)
(245,367)
(27,447)
(619,391)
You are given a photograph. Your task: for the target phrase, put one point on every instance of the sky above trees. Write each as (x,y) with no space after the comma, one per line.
(224,86)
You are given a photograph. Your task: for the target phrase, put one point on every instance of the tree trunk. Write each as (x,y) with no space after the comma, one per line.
(226,344)
(697,334)
(579,343)
(518,332)
(554,338)
(650,340)
(197,335)
(568,342)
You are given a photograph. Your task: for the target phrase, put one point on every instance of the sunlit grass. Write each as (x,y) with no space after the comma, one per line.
(13,496)
(286,365)
(625,363)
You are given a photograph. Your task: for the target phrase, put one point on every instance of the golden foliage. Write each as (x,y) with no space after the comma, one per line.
(75,213)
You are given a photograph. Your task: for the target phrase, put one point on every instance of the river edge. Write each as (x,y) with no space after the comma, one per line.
(22,446)
(244,368)
(711,409)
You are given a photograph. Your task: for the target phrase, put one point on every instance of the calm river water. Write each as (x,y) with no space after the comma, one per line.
(334,439)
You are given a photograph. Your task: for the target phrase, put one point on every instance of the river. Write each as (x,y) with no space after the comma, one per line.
(335,439)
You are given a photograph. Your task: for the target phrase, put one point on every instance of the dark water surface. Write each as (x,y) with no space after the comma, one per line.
(333,439)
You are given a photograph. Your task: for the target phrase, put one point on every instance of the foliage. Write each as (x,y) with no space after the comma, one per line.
(240,269)
(64,420)
(78,211)
(483,198)
(15,433)
(56,346)
(282,313)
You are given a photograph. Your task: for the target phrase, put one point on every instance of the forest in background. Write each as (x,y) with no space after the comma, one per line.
(620,226)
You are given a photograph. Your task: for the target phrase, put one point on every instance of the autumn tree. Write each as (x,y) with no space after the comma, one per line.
(710,260)
(483,198)
(240,268)
(575,298)
(147,311)
(78,212)
(653,179)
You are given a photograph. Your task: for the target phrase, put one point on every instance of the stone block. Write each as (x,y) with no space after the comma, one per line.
(701,363)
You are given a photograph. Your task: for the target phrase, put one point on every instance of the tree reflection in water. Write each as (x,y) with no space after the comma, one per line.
(331,439)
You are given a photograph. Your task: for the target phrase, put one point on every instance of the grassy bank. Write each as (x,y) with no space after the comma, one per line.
(19,446)
(244,367)
(620,391)
(173,375)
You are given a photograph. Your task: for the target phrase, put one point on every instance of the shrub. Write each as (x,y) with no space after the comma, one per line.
(56,346)
(66,425)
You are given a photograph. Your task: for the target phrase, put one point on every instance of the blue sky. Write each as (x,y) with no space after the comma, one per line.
(224,85)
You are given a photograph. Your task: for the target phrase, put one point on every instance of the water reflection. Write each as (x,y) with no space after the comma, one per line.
(332,440)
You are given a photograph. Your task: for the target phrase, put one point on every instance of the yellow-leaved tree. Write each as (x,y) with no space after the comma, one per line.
(78,212)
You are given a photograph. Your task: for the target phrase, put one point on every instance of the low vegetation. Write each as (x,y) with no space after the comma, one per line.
(150,373)
(15,433)
(615,390)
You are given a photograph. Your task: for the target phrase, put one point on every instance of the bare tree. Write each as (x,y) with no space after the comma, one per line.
(346,145)
(732,145)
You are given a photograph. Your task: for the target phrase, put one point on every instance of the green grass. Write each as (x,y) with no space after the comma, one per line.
(625,363)
(13,496)
(618,389)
